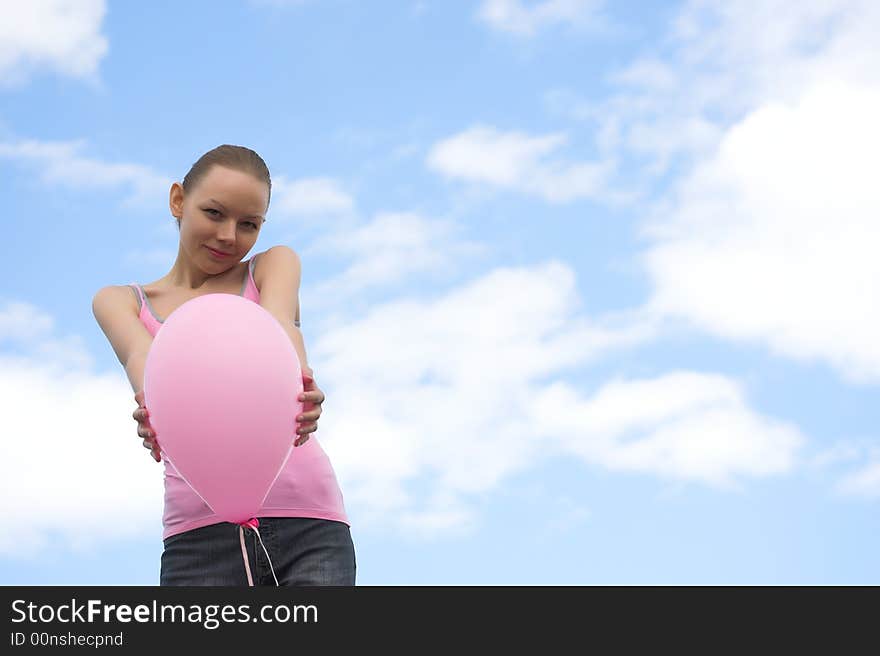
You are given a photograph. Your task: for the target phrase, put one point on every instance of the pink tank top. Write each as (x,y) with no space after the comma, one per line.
(306,487)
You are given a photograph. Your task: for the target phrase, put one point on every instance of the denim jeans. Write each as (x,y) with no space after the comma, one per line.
(303,551)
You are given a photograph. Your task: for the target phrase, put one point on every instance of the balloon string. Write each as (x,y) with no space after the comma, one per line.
(247,566)
(272,569)
(253,523)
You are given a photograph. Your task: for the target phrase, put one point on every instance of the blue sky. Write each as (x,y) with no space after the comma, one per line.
(591,287)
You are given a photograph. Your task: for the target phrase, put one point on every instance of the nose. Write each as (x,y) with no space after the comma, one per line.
(226,233)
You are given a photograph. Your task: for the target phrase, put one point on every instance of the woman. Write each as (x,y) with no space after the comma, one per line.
(304,535)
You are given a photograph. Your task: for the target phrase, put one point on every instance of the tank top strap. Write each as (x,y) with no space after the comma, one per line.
(139,293)
(248,278)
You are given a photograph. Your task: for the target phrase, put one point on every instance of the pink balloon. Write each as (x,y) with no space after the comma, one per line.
(222,382)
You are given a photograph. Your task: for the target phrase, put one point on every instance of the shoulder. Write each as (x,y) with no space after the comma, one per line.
(279,291)
(116,296)
(115,311)
(282,253)
(278,261)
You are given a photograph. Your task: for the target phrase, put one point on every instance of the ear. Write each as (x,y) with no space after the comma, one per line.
(175,200)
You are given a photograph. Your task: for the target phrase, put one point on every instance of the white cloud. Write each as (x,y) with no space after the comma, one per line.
(864,483)
(646,73)
(22,322)
(31,332)
(781,226)
(456,394)
(442,514)
(843,451)
(72,467)
(682,425)
(722,61)
(61,163)
(855,462)
(435,392)
(388,250)
(513,17)
(60,35)
(309,197)
(769,111)
(566,103)
(519,162)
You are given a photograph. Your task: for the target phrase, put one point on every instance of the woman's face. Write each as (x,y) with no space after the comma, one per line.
(224,211)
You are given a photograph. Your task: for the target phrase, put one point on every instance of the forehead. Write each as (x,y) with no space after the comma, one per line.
(234,189)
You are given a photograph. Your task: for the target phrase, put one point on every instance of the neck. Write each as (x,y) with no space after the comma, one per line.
(187,274)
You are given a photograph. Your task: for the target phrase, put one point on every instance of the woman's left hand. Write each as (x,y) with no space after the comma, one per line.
(312,398)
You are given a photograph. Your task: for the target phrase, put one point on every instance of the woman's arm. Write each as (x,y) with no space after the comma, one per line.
(279,294)
(134,369)
(116,313)
(115,309)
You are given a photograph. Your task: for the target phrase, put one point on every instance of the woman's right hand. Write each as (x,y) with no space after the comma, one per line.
(145,430)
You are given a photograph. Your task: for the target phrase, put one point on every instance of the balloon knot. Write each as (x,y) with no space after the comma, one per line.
(253,522)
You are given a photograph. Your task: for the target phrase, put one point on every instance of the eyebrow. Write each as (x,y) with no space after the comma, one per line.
(252,216)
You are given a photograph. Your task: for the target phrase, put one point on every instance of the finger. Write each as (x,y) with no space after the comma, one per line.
(151,444)
(311,415)
(302,440)
(307,428)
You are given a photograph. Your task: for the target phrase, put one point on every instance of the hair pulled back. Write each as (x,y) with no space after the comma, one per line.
(238,158)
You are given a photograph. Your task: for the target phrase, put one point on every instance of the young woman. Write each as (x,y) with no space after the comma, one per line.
(304,535)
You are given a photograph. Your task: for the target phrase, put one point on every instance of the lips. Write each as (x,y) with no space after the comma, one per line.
(218,253)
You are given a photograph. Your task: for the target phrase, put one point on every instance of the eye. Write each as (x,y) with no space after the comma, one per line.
(217,213)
